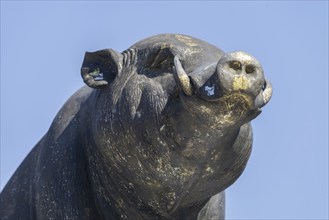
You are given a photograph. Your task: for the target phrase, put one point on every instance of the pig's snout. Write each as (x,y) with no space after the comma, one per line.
(240,72)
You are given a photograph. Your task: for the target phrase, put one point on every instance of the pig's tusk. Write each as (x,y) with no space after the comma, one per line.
(182,78)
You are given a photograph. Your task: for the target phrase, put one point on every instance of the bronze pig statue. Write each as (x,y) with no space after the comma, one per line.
(161,130)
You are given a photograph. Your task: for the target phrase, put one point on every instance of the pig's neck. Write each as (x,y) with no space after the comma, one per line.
(197,127)
(187,141)
(199,138)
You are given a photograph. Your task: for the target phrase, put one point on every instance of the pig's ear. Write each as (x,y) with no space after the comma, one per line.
(101,67)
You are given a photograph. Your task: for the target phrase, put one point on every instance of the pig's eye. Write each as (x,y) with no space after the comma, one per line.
(236,65)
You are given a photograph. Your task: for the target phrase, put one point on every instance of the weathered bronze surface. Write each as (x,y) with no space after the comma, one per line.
(161,130)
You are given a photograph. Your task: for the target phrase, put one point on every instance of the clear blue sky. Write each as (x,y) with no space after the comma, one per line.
(43,44)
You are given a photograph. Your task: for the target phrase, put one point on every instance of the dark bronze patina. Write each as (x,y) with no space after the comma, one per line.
(162,130)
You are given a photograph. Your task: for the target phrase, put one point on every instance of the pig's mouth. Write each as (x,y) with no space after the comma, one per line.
(213,93)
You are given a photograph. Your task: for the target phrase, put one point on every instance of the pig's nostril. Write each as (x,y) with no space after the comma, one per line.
(250,69)
(236,65)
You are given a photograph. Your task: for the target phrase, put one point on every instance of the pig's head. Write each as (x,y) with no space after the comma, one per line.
(233,91)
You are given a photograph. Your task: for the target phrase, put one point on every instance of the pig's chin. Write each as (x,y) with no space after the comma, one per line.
(241,99)
(240,105)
